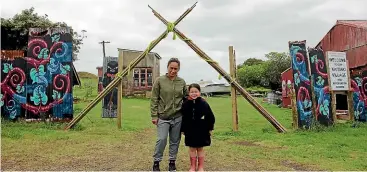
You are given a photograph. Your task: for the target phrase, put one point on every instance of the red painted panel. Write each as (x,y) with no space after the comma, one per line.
(287,84)
(100,72)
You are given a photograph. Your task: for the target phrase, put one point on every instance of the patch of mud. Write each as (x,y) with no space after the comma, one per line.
(257,144)
(295,166)
(246,143)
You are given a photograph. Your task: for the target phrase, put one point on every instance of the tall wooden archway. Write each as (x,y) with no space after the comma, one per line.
(202,54)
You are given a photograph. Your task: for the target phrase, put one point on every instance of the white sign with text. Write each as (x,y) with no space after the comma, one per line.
(338,70)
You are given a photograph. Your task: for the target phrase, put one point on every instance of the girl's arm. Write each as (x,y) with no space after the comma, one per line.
(210,118)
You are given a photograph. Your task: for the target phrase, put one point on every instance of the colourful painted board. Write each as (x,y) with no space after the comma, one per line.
(109,102)
(321,86)
(40,84)
(359,86)
(302,85)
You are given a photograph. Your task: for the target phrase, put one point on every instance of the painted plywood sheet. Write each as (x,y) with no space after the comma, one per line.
(302,84)
(321,86)
(109,102)
(40,84)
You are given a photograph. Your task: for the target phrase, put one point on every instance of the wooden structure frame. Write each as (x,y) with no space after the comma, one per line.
(202,54)
(333,93)
(233,73)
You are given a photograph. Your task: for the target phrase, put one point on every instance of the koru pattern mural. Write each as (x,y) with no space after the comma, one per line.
(302,85)
(359,86)
(321,86)
(39,84)
(109,102)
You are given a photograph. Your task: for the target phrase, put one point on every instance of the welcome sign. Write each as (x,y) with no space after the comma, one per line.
(338,70)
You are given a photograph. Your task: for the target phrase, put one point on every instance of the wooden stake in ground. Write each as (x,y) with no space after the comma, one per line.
(221,71)
(294,108)
(332,93)
(232,67)
(118,79)
(119,95)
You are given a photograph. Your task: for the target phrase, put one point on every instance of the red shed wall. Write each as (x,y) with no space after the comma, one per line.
(349,39)
(287,78)
(100,72)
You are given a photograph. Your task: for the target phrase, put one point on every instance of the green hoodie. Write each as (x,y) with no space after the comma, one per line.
(167,97)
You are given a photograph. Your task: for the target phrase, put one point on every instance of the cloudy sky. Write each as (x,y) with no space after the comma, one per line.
(253,27)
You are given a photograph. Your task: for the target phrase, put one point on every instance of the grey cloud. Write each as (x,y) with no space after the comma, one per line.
(252,27)
(269,28)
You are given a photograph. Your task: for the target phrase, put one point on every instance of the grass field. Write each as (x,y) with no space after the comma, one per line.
(97,144)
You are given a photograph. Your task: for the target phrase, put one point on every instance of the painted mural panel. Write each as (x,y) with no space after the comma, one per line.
(321,86)
(359,86)
(41,82)
(13,92)
(301,82)
(109,102)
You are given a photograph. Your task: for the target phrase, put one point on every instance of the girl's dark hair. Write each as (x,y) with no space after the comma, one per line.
(194,85)
(173,59)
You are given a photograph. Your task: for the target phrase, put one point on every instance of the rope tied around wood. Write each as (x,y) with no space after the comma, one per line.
(170,28)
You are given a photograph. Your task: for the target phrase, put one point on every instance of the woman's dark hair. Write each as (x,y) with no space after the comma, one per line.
(173,59)
(194,85)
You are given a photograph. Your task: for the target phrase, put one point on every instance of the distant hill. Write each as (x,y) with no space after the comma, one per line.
(87,75)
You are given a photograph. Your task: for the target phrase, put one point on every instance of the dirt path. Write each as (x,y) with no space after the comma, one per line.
(134,153)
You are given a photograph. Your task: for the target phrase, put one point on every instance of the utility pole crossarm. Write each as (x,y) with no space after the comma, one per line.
(103,45)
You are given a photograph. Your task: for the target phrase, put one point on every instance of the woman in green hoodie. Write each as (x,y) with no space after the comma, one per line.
(168,93)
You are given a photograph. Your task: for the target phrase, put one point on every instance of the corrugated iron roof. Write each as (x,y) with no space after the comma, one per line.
(353,23)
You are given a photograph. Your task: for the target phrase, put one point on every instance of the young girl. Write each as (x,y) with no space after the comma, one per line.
(197,126)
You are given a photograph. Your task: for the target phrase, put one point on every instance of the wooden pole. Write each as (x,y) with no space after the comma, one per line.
(230,80)
(119,94)
(294,109)
(333,105)
(232,67)
(350,96)
(332,94)
(117,80)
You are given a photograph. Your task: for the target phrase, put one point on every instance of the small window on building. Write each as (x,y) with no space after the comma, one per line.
(136,77)
(143,78)
(150,77)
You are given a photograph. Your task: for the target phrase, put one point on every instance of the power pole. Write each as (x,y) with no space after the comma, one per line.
(104,51)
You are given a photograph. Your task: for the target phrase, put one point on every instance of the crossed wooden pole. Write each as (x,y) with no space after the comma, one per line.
(202,54)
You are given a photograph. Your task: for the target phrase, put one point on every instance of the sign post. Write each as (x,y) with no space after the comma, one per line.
(339,78)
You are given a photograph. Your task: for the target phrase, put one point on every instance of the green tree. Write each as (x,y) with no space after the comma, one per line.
(277,63)
(253,75)
(14,31)
(250,62)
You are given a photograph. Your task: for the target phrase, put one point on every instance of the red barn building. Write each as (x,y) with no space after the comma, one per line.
(348,36)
